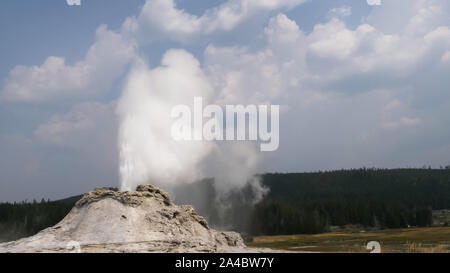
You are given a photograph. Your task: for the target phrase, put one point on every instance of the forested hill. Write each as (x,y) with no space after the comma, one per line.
(420,187)
(312,202)
(27,218)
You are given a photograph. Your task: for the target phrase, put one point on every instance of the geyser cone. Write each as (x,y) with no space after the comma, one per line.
(145,220)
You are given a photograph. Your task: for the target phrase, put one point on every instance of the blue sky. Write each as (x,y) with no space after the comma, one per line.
(34,30)
(45,28)
(359,85)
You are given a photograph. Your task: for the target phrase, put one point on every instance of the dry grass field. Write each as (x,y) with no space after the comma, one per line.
(409,240)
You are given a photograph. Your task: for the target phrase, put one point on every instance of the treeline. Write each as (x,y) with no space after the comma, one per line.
(410,187)
(313,202)
(272,218)
(27,218)
(379,198)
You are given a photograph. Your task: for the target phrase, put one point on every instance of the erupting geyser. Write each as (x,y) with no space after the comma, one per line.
(148,152)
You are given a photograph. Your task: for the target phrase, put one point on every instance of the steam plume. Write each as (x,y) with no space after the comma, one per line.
(149,154)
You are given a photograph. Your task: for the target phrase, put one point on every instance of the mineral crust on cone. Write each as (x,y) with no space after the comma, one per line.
(145,220)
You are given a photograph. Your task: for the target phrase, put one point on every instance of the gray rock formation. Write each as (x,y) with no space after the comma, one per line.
(145,220)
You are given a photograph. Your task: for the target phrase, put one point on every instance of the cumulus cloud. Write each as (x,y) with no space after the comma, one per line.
(105,62)
(108,57)
(54,79)
(349,96)
(180,25)
(409,17)
(391,82)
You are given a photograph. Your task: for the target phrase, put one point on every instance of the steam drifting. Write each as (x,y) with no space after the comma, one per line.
(149,154)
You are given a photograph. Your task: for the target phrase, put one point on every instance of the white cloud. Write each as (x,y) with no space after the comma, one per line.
(108,57)
(446,57)
(281,30)
(349,96)
(360,89)
(409,16)
(180,25)
(54,79)
(332,40)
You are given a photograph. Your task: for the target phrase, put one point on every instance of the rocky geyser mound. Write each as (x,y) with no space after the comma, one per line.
(145,220)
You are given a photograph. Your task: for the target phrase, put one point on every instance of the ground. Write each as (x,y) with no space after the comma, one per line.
(432,239)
